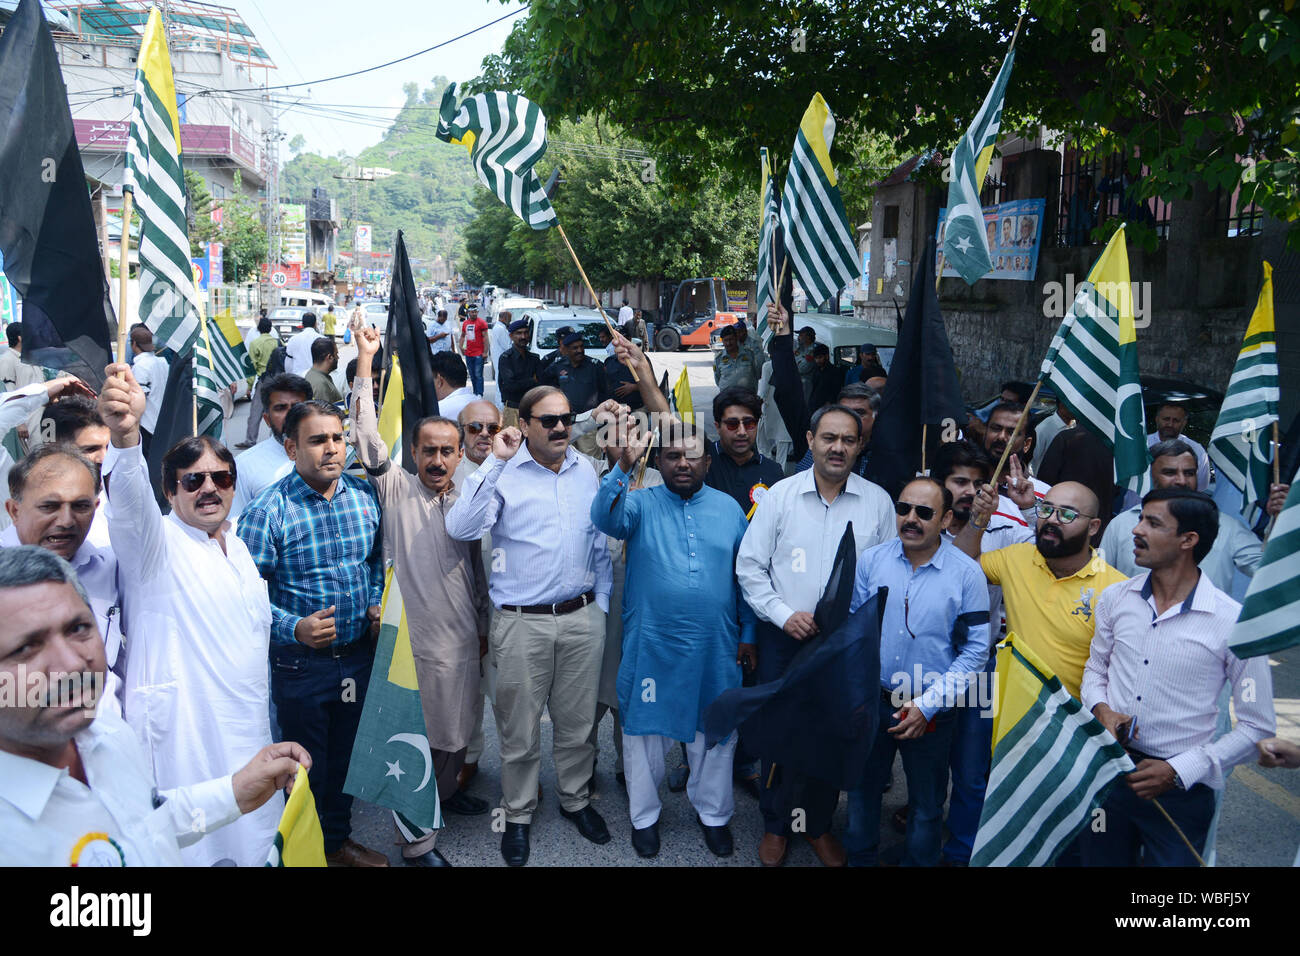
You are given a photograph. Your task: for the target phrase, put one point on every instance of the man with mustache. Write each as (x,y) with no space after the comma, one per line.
(517,370)
(934,640)
(551,594)
(1158,663)
(783,564)
(76,786)
(196,677)
(444,591)
(314,537)
(997,433)
(686,626)
(266,462)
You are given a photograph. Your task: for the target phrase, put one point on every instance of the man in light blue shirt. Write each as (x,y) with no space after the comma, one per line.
(934,640)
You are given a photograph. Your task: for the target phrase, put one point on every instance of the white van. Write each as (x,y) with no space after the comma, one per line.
(306,299)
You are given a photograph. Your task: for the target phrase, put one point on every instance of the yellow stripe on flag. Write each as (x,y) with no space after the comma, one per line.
(1110,277)
(1017,687)
(156,66)
(225,323)
(982,164)
(818,127)
(1261,320)
(682,396)
(401,670)
(390,414)
(299,837)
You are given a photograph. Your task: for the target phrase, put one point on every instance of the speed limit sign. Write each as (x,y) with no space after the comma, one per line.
(279,279)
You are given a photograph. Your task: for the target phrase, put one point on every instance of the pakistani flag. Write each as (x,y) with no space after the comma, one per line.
(391,764)
(506,136)
(1270,615)
(298,838)
(767,228)
(818,239)
(1093,364)
(1241,445)
(1053,764)
(965,244)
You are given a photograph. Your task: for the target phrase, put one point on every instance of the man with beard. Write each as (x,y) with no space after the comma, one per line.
(196,676)
(266,462)
(444,592)
(934,640)
(1158,664)
(686,627)
(1171,422)
(1001,424)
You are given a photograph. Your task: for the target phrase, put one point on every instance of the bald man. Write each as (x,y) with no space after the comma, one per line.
(1050,586)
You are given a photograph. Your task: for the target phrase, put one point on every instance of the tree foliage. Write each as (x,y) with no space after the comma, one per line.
(243,234)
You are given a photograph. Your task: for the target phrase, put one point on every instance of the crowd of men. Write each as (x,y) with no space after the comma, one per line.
(235,634)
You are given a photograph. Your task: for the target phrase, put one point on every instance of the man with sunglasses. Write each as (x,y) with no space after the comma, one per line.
(934,639)
(783,565)
(444,591)
(736,467)
(551,594)
(196,678)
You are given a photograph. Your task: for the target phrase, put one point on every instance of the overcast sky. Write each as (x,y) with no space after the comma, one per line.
(327,37)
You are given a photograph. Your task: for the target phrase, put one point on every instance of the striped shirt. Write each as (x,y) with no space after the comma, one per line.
(316,552)
(1166,671)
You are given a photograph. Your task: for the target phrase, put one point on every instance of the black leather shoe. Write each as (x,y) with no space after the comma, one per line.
(514,844)
(432,858)
(622,780)
(748,785)
(589,823)
(464,804)
(646,840)
(717,839)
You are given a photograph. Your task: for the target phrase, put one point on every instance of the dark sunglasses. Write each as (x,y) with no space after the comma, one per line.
(194,480)
(735,424)
(1064,515)
(550,421)
(475,427)
(903,509)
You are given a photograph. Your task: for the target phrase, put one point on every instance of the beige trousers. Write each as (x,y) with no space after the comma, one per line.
(510,418)
(552,662)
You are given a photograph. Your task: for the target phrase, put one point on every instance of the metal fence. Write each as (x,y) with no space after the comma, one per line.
(1096,188)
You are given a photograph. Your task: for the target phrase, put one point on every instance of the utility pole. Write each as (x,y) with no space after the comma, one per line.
(356,174)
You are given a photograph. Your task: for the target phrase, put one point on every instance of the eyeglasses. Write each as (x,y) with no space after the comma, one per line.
(550,421)
(735,424)
(1066,515)
(194,480)
(475,427)
(903,509)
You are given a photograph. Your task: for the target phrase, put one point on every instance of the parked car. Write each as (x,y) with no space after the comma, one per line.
(287,319)
(547,321)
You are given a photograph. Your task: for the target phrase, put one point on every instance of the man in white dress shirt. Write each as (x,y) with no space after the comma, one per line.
(783,563)
(267,462)
(449,383)
(1171,422)
(75,785)
(551,594)
(198,616)
(298,349)
(1158,661)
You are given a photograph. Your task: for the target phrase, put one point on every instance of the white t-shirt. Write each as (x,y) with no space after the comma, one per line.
(298,359)
(150,371)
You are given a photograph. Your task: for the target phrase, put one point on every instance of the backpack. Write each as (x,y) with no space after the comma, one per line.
(275,364)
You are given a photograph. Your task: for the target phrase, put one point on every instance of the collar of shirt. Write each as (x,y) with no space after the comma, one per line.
(1094,566)
(1200,599)
(87,555)
(197,534)
(525,457)
(28,783)
(808,485)
(297,487)
(936,559)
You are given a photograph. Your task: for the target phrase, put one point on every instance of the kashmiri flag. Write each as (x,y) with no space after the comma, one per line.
(1053,764)
(298,839)
(681,403)
(169,300)
(1093,365)
(1241,445)
(767,230)
(506,136)
(965,244)
(48,243)
(818,239)
(209,416)
(391,764)
(1270,614)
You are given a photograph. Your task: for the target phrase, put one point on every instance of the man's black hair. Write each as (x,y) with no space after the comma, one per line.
(737,395)
(1193,511)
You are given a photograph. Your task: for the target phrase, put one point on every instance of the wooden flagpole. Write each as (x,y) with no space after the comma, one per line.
(592,292)
(124,271)
(1011,443)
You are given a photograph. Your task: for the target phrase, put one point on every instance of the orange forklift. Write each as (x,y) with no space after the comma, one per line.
(691,313)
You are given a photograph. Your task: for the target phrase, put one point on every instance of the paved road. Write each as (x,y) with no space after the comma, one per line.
(1260,825)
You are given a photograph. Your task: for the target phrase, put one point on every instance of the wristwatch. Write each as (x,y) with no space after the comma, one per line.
(1178,781)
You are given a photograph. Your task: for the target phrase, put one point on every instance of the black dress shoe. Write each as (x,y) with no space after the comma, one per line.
(717,839)
(464,804)
(514,844)
(622,780)
(646,840)
(748,785)
(589,823)
(432,858)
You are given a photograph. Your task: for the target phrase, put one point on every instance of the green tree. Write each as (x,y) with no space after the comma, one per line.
(198,213)
(243,234)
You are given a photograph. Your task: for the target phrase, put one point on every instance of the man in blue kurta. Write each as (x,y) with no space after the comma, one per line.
(686,627)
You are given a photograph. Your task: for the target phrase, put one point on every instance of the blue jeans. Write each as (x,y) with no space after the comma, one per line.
(475,365)
(315,708)
(1133,824)
(971,756)
(925,762)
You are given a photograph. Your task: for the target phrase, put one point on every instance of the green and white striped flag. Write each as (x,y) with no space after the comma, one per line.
(1053,764)
(965,243)
(764,294)
(1093,365)
(207,391)
(506,136)
(1242,442)
(818,239)
(169,303)
(1270,615)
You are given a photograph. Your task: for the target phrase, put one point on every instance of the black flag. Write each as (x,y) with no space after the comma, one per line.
(922,388)
(47,229)
(175,418)
(406,338)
